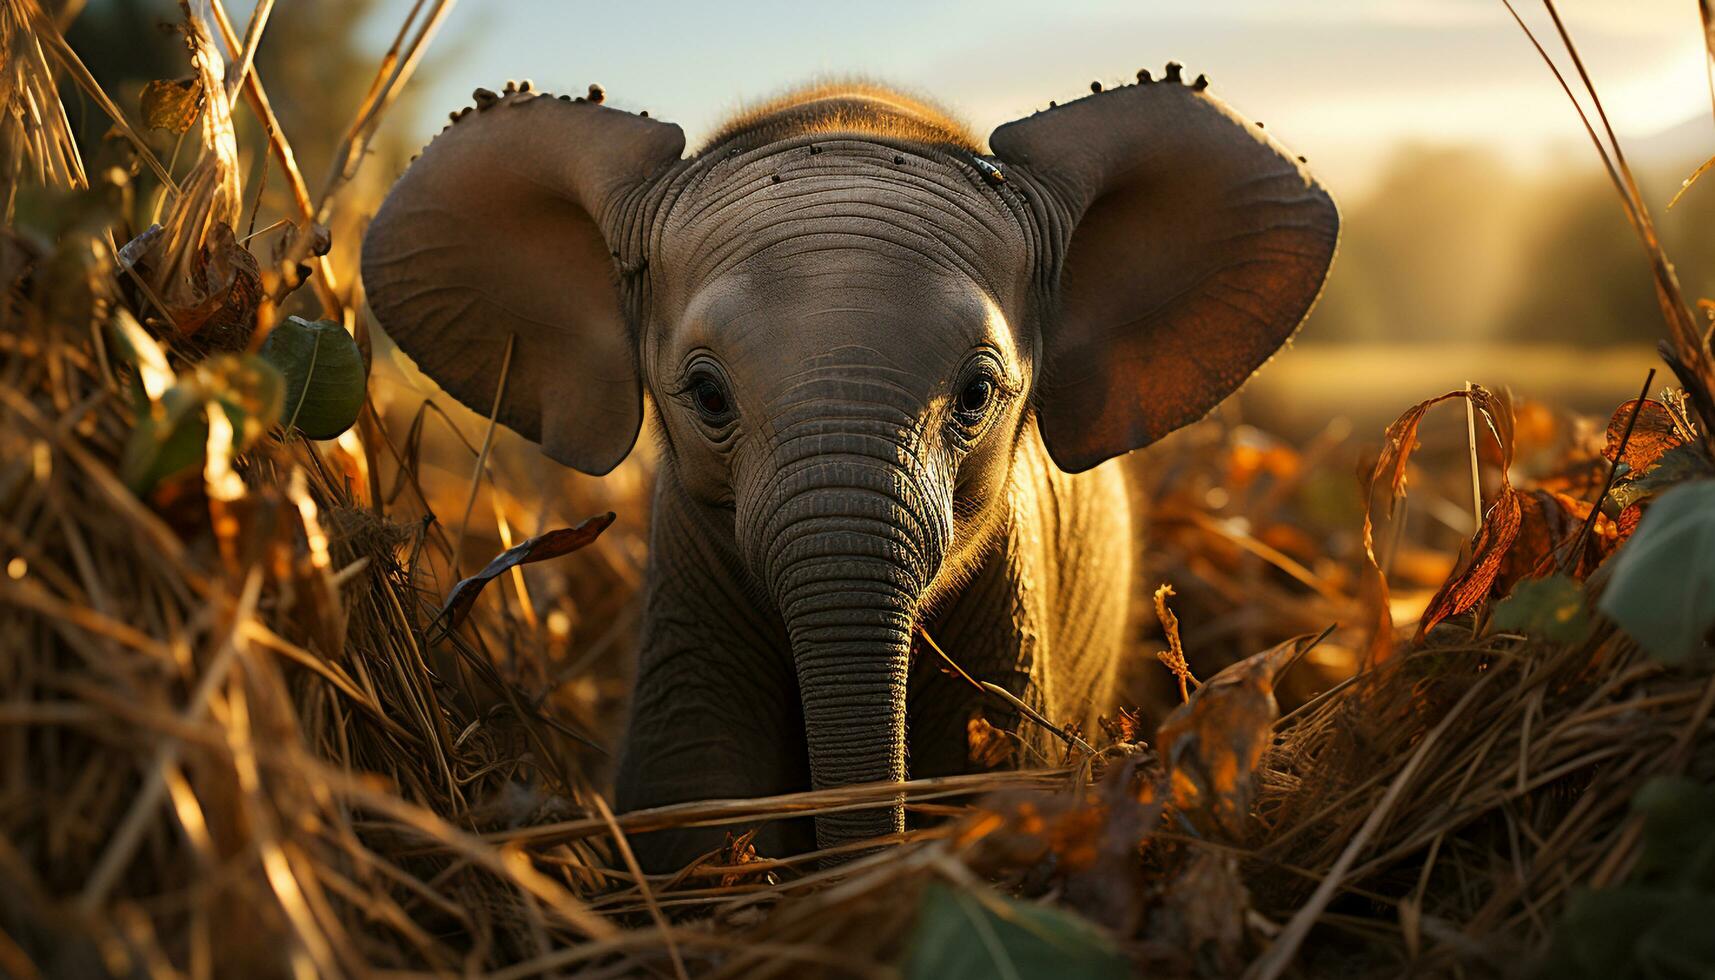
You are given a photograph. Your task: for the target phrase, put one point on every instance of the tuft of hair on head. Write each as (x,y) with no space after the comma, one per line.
(844,107)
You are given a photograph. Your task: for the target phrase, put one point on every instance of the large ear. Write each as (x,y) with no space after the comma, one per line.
(1190,246)
(512,224)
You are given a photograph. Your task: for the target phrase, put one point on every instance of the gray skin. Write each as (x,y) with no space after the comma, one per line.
(885,367)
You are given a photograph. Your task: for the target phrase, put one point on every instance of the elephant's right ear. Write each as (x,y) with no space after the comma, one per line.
(1191,247)
(509,226)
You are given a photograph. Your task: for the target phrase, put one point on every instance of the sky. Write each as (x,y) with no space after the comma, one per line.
(1344,82)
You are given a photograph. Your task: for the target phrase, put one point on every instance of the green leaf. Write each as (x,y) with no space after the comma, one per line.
(1662,592)
(169,439)
(966,935)
(172,434)
(1633,931)
(1679,833)
(325,376)
(1656,924)
(1550,608)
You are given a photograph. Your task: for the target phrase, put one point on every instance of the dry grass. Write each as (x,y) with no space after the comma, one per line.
(234,745)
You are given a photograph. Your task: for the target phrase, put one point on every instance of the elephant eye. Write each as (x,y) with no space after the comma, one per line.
(711,400)
(975,398)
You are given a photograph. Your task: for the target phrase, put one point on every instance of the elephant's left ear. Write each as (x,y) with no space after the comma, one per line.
(1190,245)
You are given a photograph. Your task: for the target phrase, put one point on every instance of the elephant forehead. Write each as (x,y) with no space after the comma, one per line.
(813,207)
(899,313)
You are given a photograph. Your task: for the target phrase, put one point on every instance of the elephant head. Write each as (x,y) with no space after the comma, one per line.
(849,318)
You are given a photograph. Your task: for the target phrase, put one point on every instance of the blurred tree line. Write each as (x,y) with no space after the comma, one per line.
(1456,245)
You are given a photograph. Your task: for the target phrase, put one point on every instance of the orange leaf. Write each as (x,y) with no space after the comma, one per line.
(1471,581)
(1397,446)
(1548,519)
(986,746)
(1213,742)
(1654,434)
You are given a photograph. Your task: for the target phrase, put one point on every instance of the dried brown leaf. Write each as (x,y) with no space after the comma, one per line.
(986,746)
(172,104)
(1397,446)
(1475,576)
(542,547)
(1548,519)
(1652,436)
(1213,743)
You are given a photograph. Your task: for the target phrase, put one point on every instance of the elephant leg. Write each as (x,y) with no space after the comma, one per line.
(992,629)
(707,725)
(1046,617)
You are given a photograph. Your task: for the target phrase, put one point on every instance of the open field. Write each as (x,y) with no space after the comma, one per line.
(1304,387)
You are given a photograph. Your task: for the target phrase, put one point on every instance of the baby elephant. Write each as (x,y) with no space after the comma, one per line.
(885,366)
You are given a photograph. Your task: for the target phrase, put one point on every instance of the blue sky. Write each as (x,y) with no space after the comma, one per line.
(1342,81)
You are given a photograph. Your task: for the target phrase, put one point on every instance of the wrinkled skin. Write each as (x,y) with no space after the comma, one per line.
(884,369)
(849,492)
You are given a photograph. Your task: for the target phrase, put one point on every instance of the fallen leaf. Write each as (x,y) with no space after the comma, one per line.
(1123,727)
(1548,520)
(987,747)
(735,853)
(1397,446)
(1653,434)
(552,544)
(1212,744)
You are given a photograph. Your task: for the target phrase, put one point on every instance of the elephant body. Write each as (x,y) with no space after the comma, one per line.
(1043,614)
(885,364)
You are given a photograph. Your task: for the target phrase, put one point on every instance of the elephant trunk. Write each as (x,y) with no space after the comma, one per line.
(848,550)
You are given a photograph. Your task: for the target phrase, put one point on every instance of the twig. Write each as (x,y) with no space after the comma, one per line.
(482,455)
(1570,560)
(859,796)
(643,890)
(1476,483)
(1476,473)
(1174,656)
(239,72)
(326,286)
(1005,695)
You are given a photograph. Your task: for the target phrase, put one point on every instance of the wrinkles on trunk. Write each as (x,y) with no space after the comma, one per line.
(851,652)
(847,544)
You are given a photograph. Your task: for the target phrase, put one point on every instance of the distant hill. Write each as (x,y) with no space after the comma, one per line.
(1691,141)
